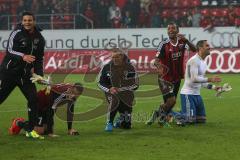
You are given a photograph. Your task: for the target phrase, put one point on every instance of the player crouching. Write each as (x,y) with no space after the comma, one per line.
(60,95)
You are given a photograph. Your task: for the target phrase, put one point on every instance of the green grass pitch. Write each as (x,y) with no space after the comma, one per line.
(218,139)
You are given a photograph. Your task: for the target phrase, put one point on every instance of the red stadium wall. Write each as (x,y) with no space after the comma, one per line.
(90,61)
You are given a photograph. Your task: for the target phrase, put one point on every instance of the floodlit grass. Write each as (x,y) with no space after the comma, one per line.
(218,139)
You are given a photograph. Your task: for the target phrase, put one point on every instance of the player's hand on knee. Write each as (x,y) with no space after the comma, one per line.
(113,90)
(73,132)
(29,58)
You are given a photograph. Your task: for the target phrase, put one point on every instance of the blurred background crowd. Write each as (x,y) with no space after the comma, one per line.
(83,14)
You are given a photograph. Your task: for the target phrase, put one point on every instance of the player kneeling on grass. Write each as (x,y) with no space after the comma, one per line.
(119,80)
(59,95)
(193,110)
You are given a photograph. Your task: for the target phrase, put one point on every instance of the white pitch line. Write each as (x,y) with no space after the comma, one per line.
(12,111)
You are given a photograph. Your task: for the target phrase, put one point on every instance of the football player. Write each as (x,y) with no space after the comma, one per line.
(60,94)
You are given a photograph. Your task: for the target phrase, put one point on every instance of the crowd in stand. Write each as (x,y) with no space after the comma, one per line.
(68,14)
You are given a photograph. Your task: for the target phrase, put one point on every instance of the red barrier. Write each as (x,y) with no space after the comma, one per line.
(90,61)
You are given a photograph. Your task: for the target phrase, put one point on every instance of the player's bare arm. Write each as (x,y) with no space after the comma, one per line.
(191,46)
(158,65)
(214,79)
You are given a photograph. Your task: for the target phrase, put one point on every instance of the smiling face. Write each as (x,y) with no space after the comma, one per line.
(28,22)
(117,58)
(172,31)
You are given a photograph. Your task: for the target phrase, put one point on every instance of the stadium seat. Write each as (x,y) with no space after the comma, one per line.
(183,12)
(184,4)
(166,13)
(175,12)
(166,3)
(224,12)
(205,12)
(121,3)
(237,22)
(169,8)
(194,3)
(5,1)
(237,11)
(56,22)
(175,4)
(158,2)
(216,12)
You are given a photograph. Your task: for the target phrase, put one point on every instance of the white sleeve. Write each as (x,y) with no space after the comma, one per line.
(11,44)
(195,77)
(205,85)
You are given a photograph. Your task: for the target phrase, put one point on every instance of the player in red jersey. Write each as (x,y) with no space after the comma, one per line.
(47,103)
(170,66)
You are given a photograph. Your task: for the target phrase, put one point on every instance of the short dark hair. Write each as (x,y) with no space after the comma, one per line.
(27,13)
(116,50)
(78,86)
(200,44)
(173,23)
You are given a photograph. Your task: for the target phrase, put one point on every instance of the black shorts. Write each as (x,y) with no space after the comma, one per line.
(45,117)
(41,118)
(168,89)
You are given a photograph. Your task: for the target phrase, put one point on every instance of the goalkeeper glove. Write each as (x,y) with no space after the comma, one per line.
(225,88)
(40,79)
(36,78)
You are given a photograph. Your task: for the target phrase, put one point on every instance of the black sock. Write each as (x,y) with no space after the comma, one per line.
(24,125)
(162,114)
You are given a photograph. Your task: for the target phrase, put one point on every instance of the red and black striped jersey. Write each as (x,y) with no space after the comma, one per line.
(61,87)
(171,56)
(57,93)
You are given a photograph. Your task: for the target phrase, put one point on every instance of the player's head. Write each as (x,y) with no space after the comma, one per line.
(117,56)
(77,88)
(28,21)
(203,48)
(172,30)
(75,91)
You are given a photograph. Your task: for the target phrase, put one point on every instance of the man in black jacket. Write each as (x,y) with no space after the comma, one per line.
(118,79)
(24,55)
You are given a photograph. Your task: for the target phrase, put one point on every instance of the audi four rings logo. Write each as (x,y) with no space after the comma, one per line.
(225,39)
(223,61)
